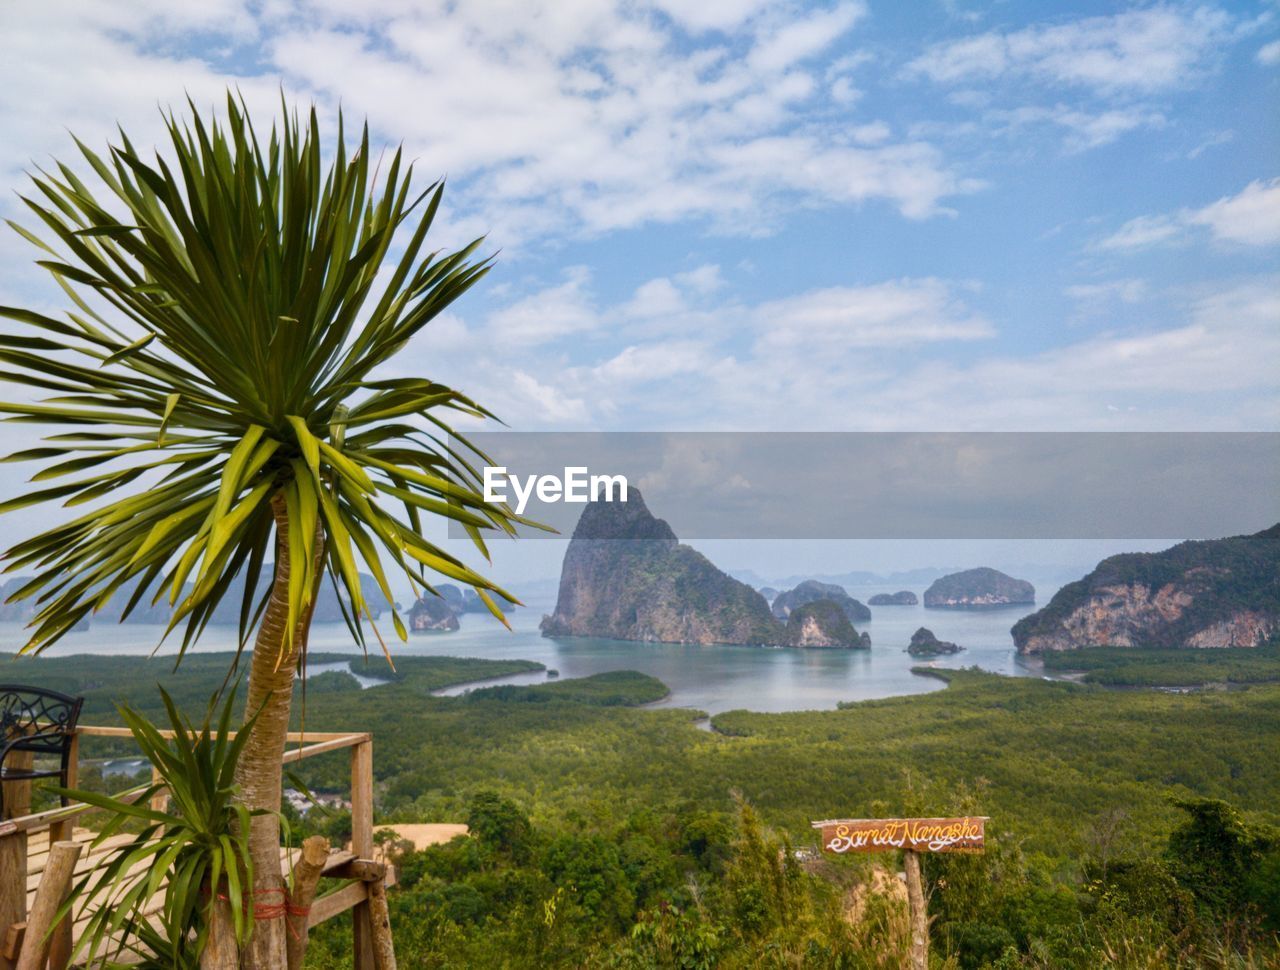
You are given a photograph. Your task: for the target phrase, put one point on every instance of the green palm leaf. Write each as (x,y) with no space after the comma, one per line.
(231,305)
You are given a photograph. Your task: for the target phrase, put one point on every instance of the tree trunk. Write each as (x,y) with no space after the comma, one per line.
(258,773)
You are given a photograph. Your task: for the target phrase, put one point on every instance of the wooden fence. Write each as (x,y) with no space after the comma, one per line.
(38,849)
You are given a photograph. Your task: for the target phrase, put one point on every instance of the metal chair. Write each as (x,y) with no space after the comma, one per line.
(40,721)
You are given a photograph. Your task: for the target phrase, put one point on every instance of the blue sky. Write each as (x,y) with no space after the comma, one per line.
(736,214)
(733,214)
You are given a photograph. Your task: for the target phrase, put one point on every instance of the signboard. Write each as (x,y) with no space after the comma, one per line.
(917,834)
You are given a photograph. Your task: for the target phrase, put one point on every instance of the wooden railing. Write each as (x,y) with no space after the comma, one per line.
(17,939)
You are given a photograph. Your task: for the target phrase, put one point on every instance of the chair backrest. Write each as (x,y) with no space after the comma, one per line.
(35,719)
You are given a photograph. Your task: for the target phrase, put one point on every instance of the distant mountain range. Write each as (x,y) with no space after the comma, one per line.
(1050,575)
(227,612)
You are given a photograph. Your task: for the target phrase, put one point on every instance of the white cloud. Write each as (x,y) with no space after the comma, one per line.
(701,15)
(553,117)
(655,362)
(843,91)
(546,315)
(525,395)
(1141,232)
(1250,218)
(1123,291)
(1212,140)
(1094,130)
(873,133)
(1084,129)
(1223,351)
(1107,299)
(703,280)
(1106,70)
(781,47)
(886,357)
(656,298)
(611,123)
(898,313)
(1136,51)
(1269,54)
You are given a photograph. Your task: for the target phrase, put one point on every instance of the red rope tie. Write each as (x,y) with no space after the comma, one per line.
(267,911)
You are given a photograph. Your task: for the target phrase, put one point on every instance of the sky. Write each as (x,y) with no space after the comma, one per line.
(741,215)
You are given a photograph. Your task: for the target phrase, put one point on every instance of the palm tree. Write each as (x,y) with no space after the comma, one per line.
(216,388)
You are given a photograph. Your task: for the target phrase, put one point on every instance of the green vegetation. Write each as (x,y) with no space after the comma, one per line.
(633,839)
(617,688)
(104,680)
(426,674)
(214,397)
(199,845)
(1127,667)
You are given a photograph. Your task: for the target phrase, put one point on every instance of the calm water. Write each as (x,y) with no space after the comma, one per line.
(712,679)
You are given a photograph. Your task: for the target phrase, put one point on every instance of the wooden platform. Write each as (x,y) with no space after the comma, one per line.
(337,899)
(353,878)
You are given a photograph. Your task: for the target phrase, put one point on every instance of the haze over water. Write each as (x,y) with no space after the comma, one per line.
(711,679)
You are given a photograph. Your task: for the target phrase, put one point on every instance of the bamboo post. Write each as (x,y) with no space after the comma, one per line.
(306,876)
(384,951)
(919,914)
(60,831)
(362,846)
(13,857)
(160,800)
(55,884)
(60,943)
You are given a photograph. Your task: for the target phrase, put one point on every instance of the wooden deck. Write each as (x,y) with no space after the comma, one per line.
(351,875)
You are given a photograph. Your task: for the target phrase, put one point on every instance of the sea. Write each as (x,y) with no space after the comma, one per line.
(710,679)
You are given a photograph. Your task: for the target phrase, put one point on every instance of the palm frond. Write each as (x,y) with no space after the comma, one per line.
(231,305)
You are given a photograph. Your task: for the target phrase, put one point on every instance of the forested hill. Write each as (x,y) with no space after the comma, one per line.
(1210,593)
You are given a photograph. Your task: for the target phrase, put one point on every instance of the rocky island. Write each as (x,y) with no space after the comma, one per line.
(981,588)
(925,644)
(903,597)
(1210,593)
(433,613)
(810,591)
(824,624)
(627,577)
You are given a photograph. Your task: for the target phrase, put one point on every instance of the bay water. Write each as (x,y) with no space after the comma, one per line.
(711,678)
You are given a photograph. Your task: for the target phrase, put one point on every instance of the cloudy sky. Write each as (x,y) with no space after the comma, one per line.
(741,215)
(734,214)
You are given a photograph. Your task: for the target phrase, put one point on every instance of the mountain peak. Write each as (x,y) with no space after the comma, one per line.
(622,520)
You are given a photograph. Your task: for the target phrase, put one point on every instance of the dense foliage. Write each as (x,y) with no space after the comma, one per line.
(618,836)
(1126,667)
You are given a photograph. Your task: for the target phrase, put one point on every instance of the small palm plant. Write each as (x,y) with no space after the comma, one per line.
(193,855)
(216,392)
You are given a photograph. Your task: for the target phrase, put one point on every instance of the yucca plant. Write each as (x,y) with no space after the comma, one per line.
(194,854)
(214,382)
